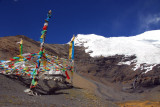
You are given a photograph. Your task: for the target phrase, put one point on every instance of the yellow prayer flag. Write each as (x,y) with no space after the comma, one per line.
(70,50)
(21,42)
(42,36)
(44,63)
(73,38)
(70,47)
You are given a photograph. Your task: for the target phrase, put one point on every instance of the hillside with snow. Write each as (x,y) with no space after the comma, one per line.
(145,46)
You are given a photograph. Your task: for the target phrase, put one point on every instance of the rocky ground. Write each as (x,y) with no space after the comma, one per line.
(84,93)
(80,95)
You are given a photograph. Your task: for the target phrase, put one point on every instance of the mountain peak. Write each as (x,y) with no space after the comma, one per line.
(145,46)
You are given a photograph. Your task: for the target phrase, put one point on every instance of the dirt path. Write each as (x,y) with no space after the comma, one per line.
(92,88)
(115,93)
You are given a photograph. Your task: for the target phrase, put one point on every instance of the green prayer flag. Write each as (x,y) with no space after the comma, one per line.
(33,81)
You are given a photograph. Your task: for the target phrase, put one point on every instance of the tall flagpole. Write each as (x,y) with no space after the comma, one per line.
(21,47)
(71,56)
(41,52)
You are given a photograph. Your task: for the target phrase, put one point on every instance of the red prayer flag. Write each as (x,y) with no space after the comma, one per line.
(67,75)
(12,59)
(44,27)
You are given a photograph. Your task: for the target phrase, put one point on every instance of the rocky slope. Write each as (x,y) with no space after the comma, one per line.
(10,48)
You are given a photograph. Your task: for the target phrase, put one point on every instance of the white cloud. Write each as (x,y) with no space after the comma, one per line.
(149,21)
(154,19)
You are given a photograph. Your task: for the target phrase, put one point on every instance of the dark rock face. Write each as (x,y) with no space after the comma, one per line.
(105,68)
(149,80)
(108,69)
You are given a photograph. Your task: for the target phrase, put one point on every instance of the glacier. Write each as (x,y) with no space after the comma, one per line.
(145,46)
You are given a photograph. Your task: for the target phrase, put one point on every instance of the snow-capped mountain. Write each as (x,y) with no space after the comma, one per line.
(145,46)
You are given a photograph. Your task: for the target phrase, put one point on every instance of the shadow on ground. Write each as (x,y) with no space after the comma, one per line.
(44,87)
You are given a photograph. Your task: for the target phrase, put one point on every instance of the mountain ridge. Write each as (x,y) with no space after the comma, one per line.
(127,83)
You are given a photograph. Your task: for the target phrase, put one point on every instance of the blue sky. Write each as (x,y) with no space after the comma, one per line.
(102,17)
